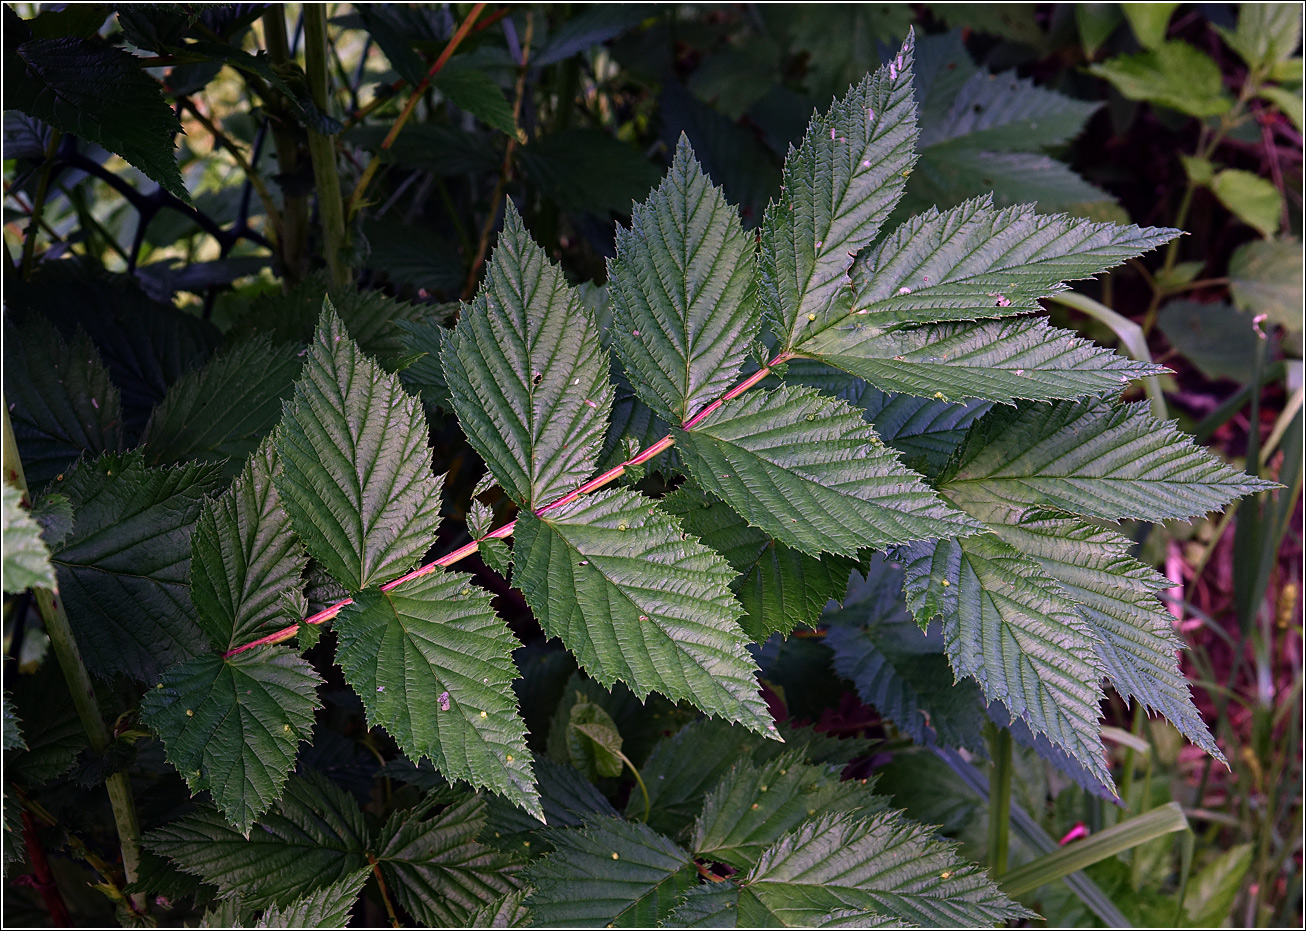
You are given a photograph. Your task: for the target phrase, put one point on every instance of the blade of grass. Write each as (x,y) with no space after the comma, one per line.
(1131,336)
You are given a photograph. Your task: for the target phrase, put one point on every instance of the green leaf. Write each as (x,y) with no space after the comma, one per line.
(101,94)
(527,375)
(13,729)
(593,742)
(327,907)
(432,663)
(356,474)
(52,731)
(634,601)
(1265,277)
(1117,596)
(1267,33)
(949,173)
(587,170)
(26,557)
(1289,103)
(778,586)
(507,911)
(62,401)
(316,837)
(1006,112)
(436,869)
(683,309)
(753,806)
(1173,74)
(1220,341)
(840,185)
(1091,458)
(244,559)
(1149,21)
(608,873)
(1095,22)
(1211,893)
(473,91)
(425,376)
(1251,198)
(842,868)
(809,471)
(233,726)
(123,572)
(975,261)
(226,406)
(996,360)
(1007,625)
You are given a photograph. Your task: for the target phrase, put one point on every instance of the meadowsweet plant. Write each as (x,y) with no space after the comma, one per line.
(818,391)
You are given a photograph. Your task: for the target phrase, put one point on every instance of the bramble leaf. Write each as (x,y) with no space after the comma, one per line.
(808,471)
(432,663)
(355,473)
(26,557)
(612,576)
(683,309)
(327,907)
(526,373)
(507,911)
(233,726)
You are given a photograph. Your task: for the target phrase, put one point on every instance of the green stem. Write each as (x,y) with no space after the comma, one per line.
(293,245)
(639,779)
(321,148)
(38,204)
(999,800)
(75,674)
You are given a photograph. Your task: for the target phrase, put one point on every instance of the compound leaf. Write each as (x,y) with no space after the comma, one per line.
(810,472)
(233,726)
(356,475)
(1091,458)
(26,557)
(507,911)
(327,907)
(432,663)
(839,186)
(683,309)
(244,557)
(1007,625)
(526,374)
(123,571)
(636,601)
(995,360)
(608,873)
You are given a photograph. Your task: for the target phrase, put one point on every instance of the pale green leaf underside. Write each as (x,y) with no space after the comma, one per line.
(432,663)
(233,726)
(610,873)
(975,261)
(327,907)
(612,576)
(1091,458)
(1007,625)
(1117,596)
(683,312)
(527,375)
(779,587)
(356,475)
(26,558)
(244,557)
(995,360)
(840,185)
(809,471)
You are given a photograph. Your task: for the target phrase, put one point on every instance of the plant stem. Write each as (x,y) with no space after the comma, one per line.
(322,149)
(38,204)
(69,656)
(640,780)
(293,242)
(385,894)
(999,800)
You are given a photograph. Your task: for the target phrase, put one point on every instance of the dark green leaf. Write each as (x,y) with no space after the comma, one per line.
(327,907)
(593,742)
(473,91)
(587,171)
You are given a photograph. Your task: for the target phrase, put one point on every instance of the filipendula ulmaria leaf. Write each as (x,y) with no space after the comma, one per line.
(976,261)
(355,473)
(123,572)
(527,375)
(995,360)
(608,873)
(327,907)
(224,407)
(103,95)
(882,865)
(315,837)
(1007,625)
(753,806)
(432,663)
(638,602)
(840,185)
(233,726)
(779,587)
(1117,596)
(244,557)
(809,471)
(508,911)
(1092,458)
(436,869)
(26,557)
(683,311)
(62,402)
